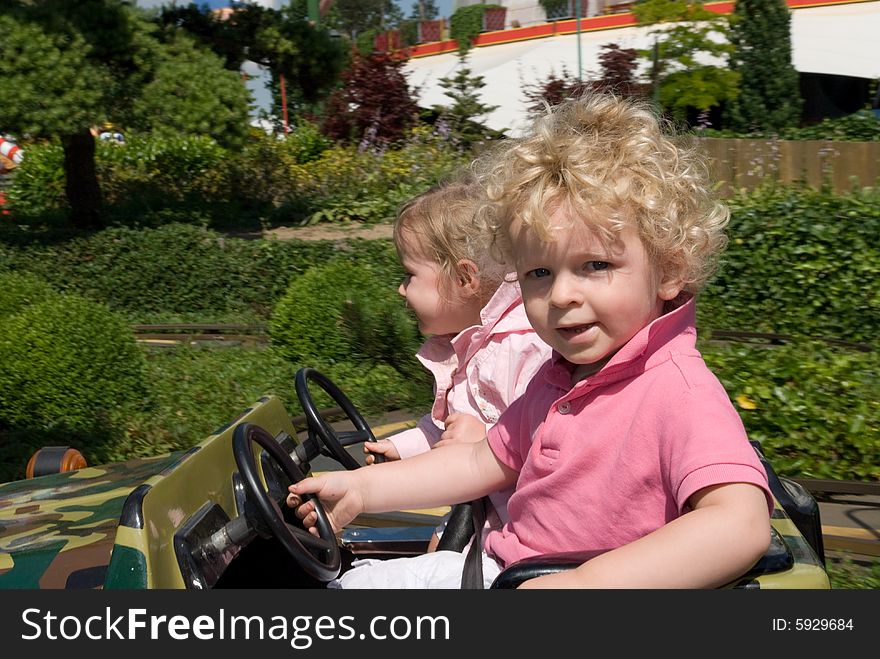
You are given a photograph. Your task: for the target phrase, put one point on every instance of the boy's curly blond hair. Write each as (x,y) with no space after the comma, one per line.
(608,161)
(449,227)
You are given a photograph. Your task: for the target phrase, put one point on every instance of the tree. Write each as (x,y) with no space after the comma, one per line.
(374,105)
(307,56)
(687,39)
(462,116)
(769,97)
(70,66)
(213,101)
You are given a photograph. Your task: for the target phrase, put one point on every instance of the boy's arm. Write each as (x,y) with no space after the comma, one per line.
(450,474)
(725,533)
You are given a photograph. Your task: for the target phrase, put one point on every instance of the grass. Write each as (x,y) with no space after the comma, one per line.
(848,572)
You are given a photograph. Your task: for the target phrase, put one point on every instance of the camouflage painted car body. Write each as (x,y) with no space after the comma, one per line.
(131,525)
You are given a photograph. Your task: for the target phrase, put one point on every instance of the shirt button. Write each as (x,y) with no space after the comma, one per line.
(564,408)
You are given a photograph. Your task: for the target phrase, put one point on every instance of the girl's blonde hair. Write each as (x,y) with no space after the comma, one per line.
(608,161)
(448,228)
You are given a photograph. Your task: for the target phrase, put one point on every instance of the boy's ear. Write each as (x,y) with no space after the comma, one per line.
(468,278)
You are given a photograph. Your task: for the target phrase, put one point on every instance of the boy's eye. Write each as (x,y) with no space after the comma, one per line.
(598,265)
(537,273)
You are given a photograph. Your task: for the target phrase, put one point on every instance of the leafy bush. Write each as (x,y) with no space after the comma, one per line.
(19,290)
(183,273)
(66,363)
(800,262)
(346,184)
(861,126)
(148,170)
(466,23)
(162,167)
(307,324)
(376,387)
(374,105)
(38,184)
(815,409)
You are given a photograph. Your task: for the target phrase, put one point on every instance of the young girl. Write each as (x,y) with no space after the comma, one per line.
(624,442)
(481,349)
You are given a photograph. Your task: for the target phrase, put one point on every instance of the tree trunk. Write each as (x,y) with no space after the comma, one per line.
(81,180)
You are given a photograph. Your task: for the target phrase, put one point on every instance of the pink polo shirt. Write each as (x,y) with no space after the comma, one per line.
(480,371)
(618,455)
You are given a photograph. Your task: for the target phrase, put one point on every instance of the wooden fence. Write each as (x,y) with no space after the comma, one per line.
(744,164)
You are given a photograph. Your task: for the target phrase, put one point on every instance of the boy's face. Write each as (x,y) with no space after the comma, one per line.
(586,299)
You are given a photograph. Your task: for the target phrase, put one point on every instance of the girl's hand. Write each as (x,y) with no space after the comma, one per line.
(461,428)
(338,494)
(383,447)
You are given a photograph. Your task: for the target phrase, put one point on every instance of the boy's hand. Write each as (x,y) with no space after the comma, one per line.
(383,447)
(462,428)
(336,489)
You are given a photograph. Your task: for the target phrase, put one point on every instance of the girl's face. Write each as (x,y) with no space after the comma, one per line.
(586,299)
(440,310)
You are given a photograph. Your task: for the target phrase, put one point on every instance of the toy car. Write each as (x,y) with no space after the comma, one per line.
(213,517)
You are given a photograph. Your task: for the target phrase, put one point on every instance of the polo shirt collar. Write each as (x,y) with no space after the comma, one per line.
(641,351)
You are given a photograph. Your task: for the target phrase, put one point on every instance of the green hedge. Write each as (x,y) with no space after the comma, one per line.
(66,361)
(339,311)
(800,262)
(861,126)
(180,272)
(153,180)
(19,290)
(814,408)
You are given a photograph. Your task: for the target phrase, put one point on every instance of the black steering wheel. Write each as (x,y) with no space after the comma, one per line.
(319,556)
(318,426)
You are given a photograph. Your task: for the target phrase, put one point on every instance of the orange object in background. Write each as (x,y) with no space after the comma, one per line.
(54,460)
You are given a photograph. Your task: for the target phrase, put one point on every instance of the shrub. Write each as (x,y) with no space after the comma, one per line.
(148,170)
(814,408)
(162,168)
(306,325)
(376,387)
(66,363)
(346,184)
(19,290)
(800,262)
(183,273)
(38,184)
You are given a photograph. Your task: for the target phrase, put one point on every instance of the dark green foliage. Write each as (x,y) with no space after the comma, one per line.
(66,363)
(38,185)
(19,290)
(861,126)
(280,40)
(555,9)
(379,329)
(213,103)
(769,98)
(346,319)
(800,262)
(179,271)
(378,387)
(74,65)
(814,408)
(307,323)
